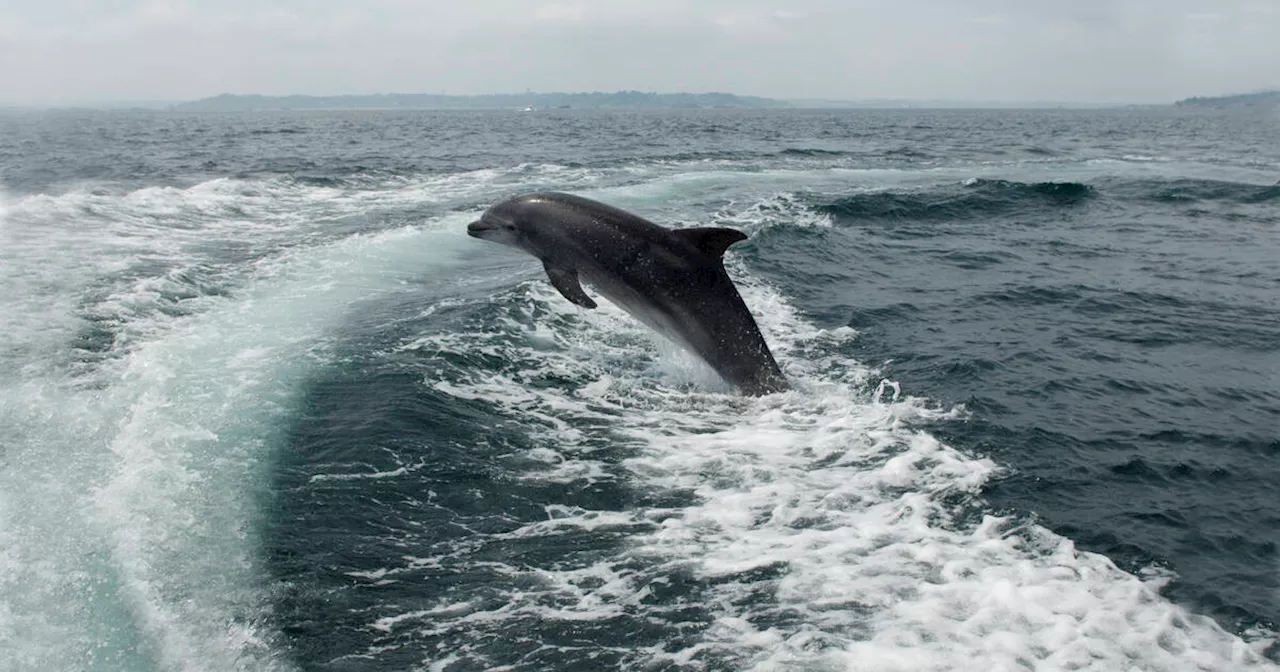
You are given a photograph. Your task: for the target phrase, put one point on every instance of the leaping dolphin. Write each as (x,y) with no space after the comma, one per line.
(672,280)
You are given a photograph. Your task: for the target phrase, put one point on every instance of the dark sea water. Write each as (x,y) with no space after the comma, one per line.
(265,406)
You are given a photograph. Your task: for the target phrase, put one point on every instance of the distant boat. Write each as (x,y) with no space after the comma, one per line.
(527,108)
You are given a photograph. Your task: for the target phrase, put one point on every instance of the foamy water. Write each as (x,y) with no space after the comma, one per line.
(130,494)
(871,535)
(826,527)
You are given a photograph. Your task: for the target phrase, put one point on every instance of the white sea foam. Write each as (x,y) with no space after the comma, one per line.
(830,529)
(128,491)
(127,504)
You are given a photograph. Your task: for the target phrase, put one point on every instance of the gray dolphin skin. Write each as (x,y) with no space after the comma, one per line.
(672,280)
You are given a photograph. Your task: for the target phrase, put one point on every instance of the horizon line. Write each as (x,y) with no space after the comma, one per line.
(935,103)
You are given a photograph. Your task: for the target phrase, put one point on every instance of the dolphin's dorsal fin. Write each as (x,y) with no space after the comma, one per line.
(712,240)
(565,280)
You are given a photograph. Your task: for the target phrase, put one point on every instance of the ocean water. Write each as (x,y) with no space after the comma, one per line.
(264,406)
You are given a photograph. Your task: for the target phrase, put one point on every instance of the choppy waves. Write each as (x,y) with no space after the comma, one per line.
(813,529)
(260,423)
(970,199)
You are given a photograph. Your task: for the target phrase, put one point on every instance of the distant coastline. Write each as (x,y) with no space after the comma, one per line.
(1266,99)
(617,100)
(593,100)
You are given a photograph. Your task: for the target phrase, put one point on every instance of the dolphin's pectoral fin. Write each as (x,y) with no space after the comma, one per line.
(565,280)
(713,241)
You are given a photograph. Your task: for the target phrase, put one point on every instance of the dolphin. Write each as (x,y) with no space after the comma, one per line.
(672,280)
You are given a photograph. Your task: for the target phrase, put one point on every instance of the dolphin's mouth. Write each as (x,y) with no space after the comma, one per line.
(478,228)
(492,225)
(488,223)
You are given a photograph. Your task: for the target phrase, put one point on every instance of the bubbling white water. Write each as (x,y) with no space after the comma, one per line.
(880,552)
(834,531)
(128,488)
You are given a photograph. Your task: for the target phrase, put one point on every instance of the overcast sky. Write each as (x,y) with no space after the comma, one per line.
(78,51)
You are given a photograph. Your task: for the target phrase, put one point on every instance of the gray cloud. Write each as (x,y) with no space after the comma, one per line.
(1088,50)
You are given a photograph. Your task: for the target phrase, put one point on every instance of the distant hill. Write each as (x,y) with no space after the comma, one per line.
(1258,99)
(944,104)
(619,100)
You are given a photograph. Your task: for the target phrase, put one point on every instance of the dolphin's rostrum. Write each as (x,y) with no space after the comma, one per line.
(672,280)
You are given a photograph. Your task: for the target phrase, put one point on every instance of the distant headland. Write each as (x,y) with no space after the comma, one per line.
(1266,99)
(627,100)
(594,100)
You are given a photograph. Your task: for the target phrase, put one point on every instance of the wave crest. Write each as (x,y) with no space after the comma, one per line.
(972,198)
